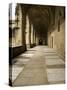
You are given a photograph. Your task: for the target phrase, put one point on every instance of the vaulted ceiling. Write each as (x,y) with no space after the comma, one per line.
(40,16)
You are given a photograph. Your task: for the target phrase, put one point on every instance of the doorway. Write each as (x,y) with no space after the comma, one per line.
(40,42)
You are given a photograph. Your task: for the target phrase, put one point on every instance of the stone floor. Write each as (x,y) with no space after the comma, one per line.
(38,66)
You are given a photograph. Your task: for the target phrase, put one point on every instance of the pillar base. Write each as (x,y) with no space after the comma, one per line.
(32,45)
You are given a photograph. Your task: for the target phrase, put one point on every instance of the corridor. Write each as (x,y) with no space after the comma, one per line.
(36,45)
(38,66)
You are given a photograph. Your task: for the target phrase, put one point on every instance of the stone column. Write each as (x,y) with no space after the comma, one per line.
(29,34)
(27,31)
(37,39)
(24,28)
(32,35)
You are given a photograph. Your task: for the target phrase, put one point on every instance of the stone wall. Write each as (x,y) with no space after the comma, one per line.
(56,33)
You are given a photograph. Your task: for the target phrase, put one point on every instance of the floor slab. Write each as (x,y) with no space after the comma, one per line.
(55,75)
(54,61)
